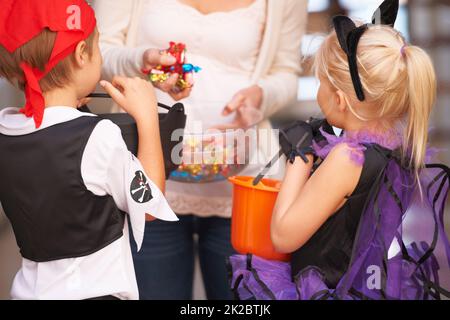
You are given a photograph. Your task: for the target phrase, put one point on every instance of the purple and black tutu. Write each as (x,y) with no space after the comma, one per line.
(400,251)
(257,278)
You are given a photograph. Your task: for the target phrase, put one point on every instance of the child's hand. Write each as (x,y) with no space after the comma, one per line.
(135,95)
(296,140)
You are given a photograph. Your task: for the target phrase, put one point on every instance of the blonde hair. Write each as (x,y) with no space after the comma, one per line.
(37,53)
(398,80)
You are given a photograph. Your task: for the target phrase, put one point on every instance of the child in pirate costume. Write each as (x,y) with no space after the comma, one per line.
(368,222)
(67,179)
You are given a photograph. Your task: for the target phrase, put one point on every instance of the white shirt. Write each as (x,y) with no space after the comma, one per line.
(226,46)
(107,168)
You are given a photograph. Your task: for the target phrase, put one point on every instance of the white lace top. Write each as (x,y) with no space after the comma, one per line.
(226,46)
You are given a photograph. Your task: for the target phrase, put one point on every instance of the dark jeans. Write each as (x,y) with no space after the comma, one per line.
(165,264)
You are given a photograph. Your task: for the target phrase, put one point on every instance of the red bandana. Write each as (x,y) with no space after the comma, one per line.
(22,20)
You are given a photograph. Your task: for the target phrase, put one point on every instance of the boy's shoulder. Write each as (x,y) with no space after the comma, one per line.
(13,122)
(105,138)
(106,127)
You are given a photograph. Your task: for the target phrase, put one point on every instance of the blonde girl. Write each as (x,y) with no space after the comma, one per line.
(347,221)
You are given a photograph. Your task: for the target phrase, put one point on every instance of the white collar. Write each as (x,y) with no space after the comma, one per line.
(14,123)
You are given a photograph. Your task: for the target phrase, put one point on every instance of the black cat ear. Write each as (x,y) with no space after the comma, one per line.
(348,35)
(386,13)
(343,26)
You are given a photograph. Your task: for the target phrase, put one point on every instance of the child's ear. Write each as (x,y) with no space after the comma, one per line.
(81,54)
(340,100)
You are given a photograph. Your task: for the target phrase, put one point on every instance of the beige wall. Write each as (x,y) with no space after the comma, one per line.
(9,253)
(10,96)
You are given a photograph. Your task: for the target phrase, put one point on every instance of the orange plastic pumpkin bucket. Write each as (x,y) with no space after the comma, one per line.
(252,213)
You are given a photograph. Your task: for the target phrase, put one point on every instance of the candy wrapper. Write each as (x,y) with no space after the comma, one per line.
(181,67)
(210,158)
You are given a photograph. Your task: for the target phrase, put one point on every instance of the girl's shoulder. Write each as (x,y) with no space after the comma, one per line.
(359,157)
(345,152)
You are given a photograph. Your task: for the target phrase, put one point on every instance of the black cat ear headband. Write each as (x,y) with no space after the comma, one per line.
(349,35)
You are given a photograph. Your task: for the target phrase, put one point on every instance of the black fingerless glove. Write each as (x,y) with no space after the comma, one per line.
(296,140)
(316,125)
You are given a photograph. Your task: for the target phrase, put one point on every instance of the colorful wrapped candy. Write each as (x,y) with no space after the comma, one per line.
(208,159)
(181,67)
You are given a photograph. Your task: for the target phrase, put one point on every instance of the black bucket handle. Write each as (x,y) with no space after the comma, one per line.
(107,96)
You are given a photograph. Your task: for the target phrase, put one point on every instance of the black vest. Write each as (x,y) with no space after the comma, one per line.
(330,248)
(43,194)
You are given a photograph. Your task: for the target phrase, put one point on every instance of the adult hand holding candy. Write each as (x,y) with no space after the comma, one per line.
(153,58)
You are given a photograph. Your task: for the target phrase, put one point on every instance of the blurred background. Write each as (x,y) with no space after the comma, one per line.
(425,23)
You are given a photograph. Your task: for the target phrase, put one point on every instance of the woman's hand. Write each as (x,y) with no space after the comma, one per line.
(153,58)
(247,106)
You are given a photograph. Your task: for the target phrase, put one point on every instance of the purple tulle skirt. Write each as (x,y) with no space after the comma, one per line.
(257,278)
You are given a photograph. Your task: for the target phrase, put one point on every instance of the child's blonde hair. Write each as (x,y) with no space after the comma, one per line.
(399,83)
